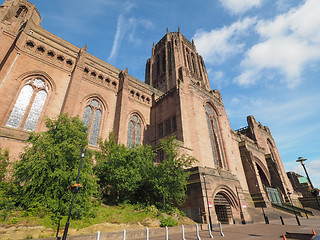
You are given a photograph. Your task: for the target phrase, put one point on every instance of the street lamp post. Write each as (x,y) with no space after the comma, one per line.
(289,193)
(83,152)
(59,218)
(302,160)
(205,187)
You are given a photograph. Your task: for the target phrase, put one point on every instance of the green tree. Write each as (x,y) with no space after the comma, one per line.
(4,162)
(6,202)
(131,174)
(49,166)
(171,178)
(123,172)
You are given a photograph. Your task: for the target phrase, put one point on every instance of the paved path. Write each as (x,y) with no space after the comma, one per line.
(260,231)
(257,231)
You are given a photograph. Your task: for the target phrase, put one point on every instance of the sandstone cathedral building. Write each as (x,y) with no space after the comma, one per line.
(42,76)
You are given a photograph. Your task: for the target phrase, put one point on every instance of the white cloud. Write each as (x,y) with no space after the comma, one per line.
(240,6)
(117,38)
(217,78)
(133,24)
(127,26)
(276,109)
(283,5)
(290,42)
(217,45)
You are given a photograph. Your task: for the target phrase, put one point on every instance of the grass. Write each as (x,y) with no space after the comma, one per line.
(124,214)
(134,217)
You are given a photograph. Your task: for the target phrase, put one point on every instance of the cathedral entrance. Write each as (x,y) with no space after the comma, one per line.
(223,209)
(274,195)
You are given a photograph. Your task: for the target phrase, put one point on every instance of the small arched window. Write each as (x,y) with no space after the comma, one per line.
(214,137)
(92,120)
(29,104)
(134,131)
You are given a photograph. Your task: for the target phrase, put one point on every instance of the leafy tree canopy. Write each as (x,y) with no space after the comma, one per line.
(4,162)
(122,172)
(170,180)
(49,166)
(130,175)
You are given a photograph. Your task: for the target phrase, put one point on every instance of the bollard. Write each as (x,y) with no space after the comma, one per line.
(298,222)
(124,234)
(98,235)
(147,233)
(198,235)
(183,236)
(282,222)
(220,226)
(167,234)
(210,233)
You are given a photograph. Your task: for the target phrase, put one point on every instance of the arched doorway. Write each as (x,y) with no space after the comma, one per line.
(223,209)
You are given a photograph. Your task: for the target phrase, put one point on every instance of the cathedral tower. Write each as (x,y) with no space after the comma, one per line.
(171,53)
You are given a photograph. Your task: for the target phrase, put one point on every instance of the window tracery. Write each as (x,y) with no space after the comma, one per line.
(214,137)
(29,105)
(92,120)
(134,131)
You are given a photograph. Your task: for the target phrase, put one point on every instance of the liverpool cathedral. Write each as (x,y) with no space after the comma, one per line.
(42,76)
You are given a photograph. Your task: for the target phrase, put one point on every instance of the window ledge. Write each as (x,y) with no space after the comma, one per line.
(14,133)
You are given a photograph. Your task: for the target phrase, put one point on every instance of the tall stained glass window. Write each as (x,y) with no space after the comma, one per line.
(92,120)
(134,131)
(214,137)
(29,105)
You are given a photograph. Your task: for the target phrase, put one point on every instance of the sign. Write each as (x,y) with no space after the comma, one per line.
(210,204)
(244,206)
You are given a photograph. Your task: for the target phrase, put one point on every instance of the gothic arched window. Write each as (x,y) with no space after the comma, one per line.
(169,57)
(214,137)
(29,104)
(134,131)
(158,65)
(21,11)
(193,64)
(92,119)
(163,62)
(188,60)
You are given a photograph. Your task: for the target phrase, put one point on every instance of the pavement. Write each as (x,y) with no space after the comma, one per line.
(258,231)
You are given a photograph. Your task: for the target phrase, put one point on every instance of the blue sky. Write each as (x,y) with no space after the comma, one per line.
(263,55)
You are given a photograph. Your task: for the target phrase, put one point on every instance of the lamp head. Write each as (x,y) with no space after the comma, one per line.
(301,160)
(83,152)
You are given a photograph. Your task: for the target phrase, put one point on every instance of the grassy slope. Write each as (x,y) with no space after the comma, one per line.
(126,214)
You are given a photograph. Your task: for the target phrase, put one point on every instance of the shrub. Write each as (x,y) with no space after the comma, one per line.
(168,222)
(14,220)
